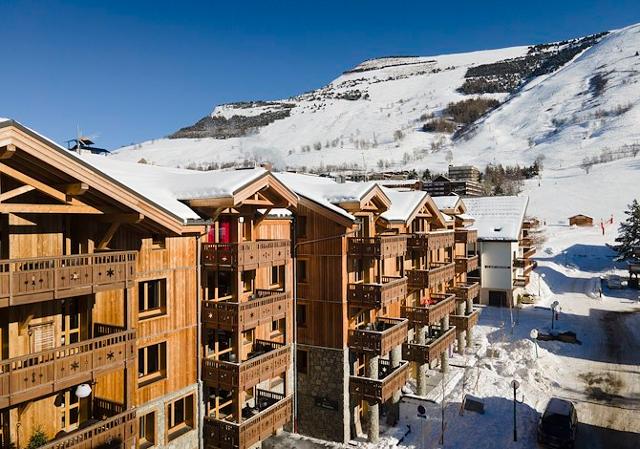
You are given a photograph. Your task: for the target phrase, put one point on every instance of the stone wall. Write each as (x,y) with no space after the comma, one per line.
(189,440)
(323,394)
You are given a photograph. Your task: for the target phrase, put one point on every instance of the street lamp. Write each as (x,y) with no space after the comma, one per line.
(515,384)
(554,304)
(534,336)
(542,276)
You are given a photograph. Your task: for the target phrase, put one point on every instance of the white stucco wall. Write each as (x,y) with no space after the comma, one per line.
(496,271)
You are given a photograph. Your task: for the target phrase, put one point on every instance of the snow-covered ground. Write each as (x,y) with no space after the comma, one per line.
(601,375)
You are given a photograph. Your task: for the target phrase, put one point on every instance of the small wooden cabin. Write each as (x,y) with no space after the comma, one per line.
(580,220)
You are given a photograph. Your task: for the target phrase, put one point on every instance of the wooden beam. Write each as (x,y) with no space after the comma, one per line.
(7,151)
(132,218)
(17,208)
(76,189)
(15,192)
(104,242)
(41,186)
(209,202)
(262,217)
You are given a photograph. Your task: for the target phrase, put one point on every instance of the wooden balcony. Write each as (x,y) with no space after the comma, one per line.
(266,306)
(466,236)
(379,337)
(390,380)
(530,223)
(430,241)
(431,313)
(528,252)
(118,431)
(438,273)
(246,255)
(220,434)
(526,242)
(269,360)
(43,373)
(466,264)
(521,281)
(381,247)
(466,321)
(375,296)
(436,344)
(466,291)
(23,281)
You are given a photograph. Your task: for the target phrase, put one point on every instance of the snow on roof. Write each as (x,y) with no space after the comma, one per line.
(403,203)
(498,217)
(325,191)
(448,218)
(446,202)
(167,186)
(2,119)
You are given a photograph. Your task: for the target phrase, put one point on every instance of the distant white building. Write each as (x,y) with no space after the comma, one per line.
(504,244)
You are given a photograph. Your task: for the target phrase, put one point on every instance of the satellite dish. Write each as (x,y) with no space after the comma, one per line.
(534,333)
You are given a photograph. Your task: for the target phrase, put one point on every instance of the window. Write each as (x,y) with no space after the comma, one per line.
(302,361)
(301,271)
(152,363)
(157,241)
(277,276)
(278,327)
(180,417)
(247,280)
(152,298)
(301,226)
(147,430)
(301,315)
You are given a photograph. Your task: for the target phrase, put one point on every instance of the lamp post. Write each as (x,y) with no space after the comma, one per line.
(515,384)
(542,276)
(534,336)
(554,304)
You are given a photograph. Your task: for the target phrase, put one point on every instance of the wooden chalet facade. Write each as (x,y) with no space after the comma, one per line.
(97,289)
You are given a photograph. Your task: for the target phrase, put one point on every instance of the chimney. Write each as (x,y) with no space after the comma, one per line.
(267,166)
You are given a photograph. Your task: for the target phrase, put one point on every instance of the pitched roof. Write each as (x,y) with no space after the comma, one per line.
(446,202)
(498,217)
(403,204)
(328,193)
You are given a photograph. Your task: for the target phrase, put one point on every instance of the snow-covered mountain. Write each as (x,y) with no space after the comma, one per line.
(567,101)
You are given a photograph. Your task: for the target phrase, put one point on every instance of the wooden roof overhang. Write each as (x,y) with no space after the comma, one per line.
(266,192)
(71,185)
(373,200)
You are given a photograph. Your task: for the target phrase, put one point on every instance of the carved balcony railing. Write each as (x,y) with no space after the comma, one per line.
(526,242)
(381,247)
(430,241)
(430,314)
(24,281)
(246,255)
(530,223)
(528,252)
(43,373)
(466,264)
(466,291)
(436,344)
(521,281)
(266,306)
(390,380)
(466,235)
(268,360)
(118,431)
(221,434)
(438,273)
(379,337)
(466,321)
(375,296)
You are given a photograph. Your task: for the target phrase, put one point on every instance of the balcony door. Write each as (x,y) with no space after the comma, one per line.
(70,329)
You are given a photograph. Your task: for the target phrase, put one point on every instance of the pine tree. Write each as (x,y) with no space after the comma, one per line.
(629,230)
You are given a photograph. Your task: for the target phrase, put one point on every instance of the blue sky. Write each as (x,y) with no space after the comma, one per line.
(131,71)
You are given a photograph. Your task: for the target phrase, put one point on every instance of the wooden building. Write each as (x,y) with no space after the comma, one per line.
(97,290)
(375,281)
(580,220)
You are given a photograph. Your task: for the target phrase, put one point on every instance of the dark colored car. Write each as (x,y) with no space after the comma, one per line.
(558,424)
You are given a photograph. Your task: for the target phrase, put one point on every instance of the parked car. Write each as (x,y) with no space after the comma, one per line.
(558,424)
(528,298)
(614,281)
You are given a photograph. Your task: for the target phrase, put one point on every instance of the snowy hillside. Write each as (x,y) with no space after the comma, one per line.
(564,100)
